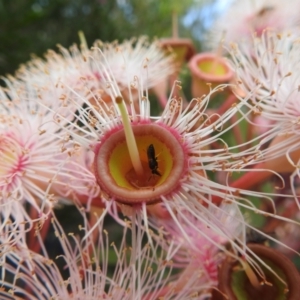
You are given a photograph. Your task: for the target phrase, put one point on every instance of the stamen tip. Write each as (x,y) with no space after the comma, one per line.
(119,99)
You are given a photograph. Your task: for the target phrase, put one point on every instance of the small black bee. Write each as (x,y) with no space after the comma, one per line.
(152,160)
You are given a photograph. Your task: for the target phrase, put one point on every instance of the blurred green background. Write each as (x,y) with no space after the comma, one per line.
(33,26)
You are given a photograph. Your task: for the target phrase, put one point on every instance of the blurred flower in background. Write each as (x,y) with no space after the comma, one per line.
(246,18)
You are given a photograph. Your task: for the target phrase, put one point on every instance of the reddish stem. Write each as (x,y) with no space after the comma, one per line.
(289,213)
(33,243)
(247,181)
(237,131)
(230,100)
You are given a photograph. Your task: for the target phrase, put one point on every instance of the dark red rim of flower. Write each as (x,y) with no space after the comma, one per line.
(138,196)
(194,67)
(178,42)
(264,252)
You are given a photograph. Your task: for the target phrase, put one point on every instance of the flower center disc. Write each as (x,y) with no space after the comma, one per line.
(162,170)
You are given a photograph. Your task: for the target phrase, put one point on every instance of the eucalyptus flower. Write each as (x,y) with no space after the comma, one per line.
(36,167)
(245,18)
(267,70)
(147,164)
(146,274)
